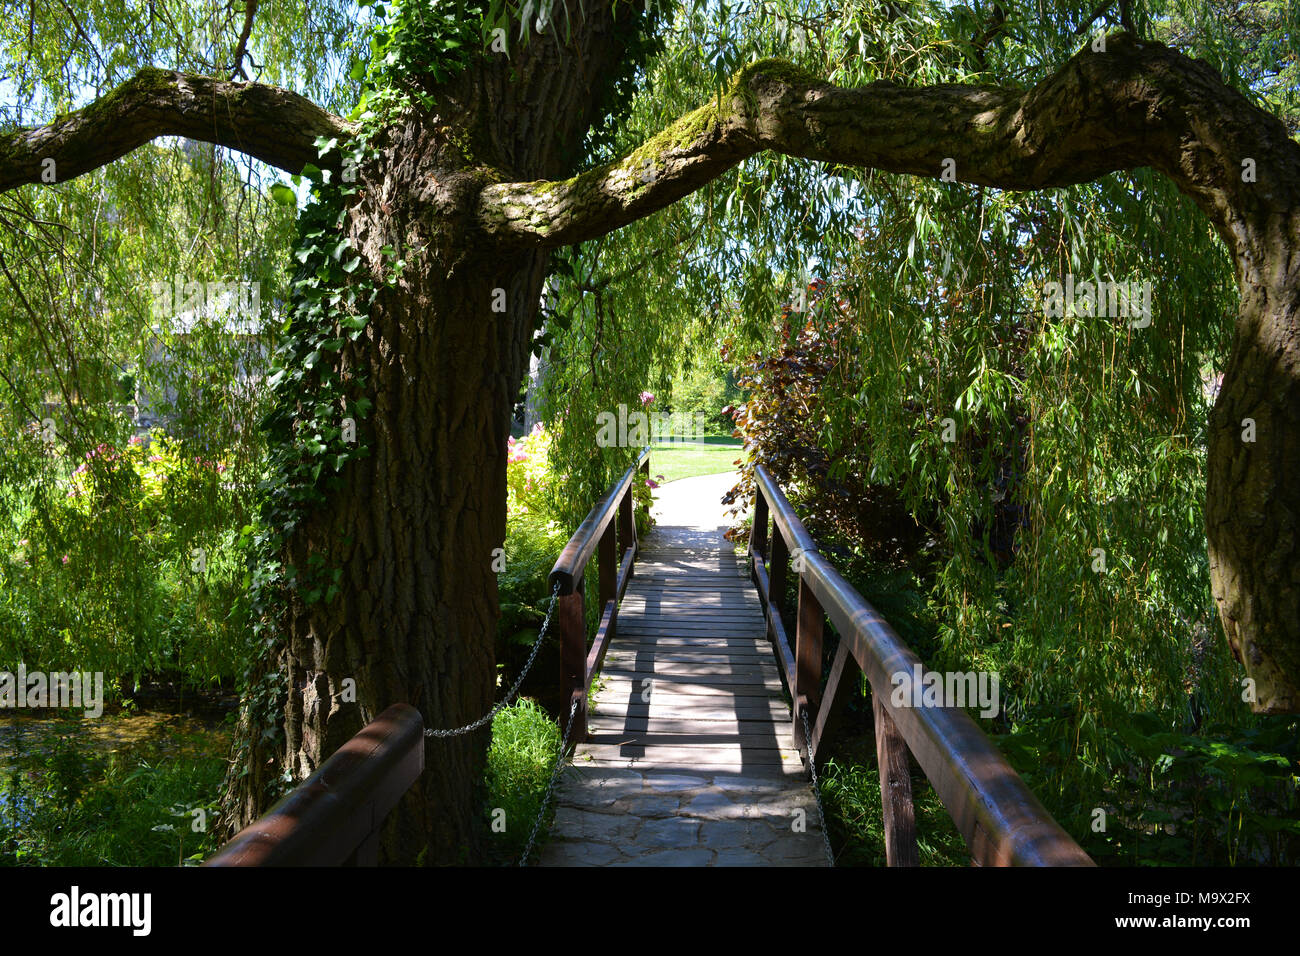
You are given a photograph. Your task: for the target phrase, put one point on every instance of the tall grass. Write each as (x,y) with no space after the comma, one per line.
(525,746)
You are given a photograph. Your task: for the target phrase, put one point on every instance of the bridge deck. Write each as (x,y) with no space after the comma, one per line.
(690,761)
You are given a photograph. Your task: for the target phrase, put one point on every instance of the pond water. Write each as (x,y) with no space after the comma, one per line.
(157,733)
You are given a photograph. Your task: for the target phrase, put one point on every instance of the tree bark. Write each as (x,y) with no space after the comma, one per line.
(416,523)
(274,125)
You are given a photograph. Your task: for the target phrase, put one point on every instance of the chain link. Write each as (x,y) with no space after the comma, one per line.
(486,718)
(817,790)
(555,775)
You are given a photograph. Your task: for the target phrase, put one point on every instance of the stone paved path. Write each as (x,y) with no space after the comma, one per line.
(690,761)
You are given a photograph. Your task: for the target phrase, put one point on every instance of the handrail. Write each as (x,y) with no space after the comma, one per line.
(334,817)
(617,543)
(999,817)
(573,559)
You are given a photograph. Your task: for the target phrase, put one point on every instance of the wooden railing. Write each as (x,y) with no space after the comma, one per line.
(998,816)
(578,664)
(334,817)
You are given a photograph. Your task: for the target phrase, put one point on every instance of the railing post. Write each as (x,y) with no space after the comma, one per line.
(573,659)
(607,556)
(758,536)
(807,691)
(626,525)
(895,788)
(780,559)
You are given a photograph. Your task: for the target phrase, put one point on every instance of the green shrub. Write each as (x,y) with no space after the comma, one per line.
(525,746)
(128,564)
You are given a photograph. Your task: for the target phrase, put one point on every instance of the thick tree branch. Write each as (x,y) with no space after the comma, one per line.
(268,123)
(1135,104)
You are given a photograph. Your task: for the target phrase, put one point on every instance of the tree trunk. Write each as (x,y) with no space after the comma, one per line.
(417,520)
(415,527)
(1253,496)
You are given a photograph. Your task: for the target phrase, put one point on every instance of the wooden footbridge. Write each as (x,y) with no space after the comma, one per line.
(706,717)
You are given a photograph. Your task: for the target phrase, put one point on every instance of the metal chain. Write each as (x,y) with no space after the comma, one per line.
(430,732)
(817,790)
(555,774)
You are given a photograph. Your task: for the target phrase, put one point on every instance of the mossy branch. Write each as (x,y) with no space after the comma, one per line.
(1128,105)
(274,125)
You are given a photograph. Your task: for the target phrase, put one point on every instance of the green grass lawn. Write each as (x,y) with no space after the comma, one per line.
(687,459)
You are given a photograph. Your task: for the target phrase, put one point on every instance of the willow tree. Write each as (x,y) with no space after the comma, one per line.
(438,205)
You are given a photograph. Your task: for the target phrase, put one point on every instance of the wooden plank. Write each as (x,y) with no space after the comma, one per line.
(722,582)
(699,610)
(895,789)
(807,690)
(695,645)
(753,671)
(724,680)
(625,572)
(753,655)
(667,688)
(711,755)
(688,707)
(573,656)
(844,672)
(741,775)
(669,627)
(708,724)
(696,738)
(700,600)
(600,645)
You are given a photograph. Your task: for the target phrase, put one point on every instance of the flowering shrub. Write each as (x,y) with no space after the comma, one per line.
(643,500)
(528,472)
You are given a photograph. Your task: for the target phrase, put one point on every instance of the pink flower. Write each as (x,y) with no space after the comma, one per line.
(652,484)
(537,428)
(65,559)
(155,457)
(647,398)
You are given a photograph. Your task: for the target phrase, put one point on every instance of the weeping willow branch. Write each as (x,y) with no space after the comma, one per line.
(274,125)
(1133,104)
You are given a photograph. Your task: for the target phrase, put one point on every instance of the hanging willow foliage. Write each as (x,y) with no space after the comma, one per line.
(1067,511)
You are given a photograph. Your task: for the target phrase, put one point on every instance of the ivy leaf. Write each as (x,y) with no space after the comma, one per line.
(283,195)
